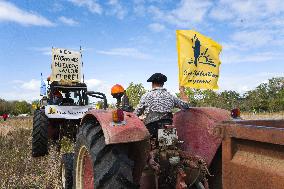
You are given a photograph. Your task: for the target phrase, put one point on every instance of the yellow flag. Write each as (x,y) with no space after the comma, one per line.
(198,60)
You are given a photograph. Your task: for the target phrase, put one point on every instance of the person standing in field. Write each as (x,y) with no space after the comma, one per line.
(5,116)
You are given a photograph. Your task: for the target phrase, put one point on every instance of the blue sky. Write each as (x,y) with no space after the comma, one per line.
(126,40)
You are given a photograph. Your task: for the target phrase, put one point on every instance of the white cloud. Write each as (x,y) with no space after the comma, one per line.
(248,13)
(192,10)
(91,5)
(93,83)
(68,21)
(188,13)
(141,40)
(221,14)
(22,90)
(243,83)
(31,85)
(253,39)
(117,9)
(129,52)
(251,9)
(11,13)
(57,7)
(29,90)
(229,46)
(43,50)
(239,57)
(48,50)
(97,85)
(139,7)
(156,27)
(28,96)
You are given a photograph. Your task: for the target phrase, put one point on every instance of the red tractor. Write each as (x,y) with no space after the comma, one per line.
(114,150)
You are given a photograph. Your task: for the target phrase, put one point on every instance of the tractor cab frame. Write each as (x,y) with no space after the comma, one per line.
(77,92)
(60,114)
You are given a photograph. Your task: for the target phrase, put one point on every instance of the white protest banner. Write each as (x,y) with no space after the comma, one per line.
(66,65)
(66,112)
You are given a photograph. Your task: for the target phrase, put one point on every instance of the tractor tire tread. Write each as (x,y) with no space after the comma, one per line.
(39,134)
(110,161)
(67,162)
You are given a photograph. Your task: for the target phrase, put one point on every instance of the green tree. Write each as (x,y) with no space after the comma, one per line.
(208,98)
(194,96)
(134,93)
(266,97)
(201,98)
(21,107)
(100,104)
(257,99)
(276,94)
(229,100)
(5,107)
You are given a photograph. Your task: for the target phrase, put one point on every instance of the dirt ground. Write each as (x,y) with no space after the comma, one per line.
(19,170)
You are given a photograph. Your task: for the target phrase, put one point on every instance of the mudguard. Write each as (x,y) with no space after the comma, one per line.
(132,130)
(197,127)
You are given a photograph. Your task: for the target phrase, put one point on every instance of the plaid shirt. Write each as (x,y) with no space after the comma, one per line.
(158,102)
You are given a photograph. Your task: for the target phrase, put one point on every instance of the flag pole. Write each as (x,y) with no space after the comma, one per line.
(82,62)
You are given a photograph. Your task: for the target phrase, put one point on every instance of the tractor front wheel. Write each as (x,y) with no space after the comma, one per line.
(39,134)
(98,165)
(67,170)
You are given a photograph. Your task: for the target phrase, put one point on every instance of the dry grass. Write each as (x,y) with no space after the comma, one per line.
(15,123)
(18,168)
(278,115)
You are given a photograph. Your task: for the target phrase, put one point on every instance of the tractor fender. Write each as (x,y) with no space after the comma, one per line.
(197,128)
(132,130)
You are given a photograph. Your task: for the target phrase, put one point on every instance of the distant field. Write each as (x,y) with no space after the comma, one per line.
(19,170)
(278,115)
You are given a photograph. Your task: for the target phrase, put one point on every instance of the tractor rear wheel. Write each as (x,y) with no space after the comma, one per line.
(98,165)
(39,134)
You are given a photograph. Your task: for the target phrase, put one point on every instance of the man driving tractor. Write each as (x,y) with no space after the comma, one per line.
(157,105)
(57,97)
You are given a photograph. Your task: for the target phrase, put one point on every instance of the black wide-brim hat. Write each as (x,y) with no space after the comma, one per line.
(157,78)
